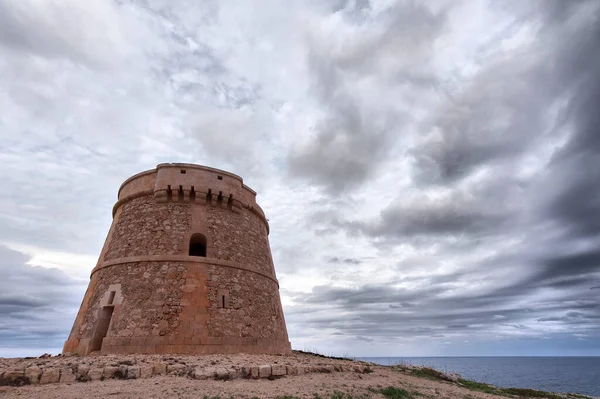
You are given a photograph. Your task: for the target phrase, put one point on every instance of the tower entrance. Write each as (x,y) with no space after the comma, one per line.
(101,328)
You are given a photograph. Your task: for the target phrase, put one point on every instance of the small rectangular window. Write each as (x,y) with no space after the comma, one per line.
(111,297)
(183,171)
(220,177)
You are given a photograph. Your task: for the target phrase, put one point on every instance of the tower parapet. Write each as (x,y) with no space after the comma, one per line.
(186,268)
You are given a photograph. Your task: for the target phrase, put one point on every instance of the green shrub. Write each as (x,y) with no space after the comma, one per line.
(395,393)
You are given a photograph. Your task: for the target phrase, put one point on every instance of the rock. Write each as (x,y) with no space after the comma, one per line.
(33,373)
(452,377)
(278,370)
(175,369)
(264,371)
(49,376)
(326,368)
(291,370)
(359,368)
(222,373)
(146,371)
(246,372)
(121,372)
(109,372)
(301,370)
(255,372)
(82,372)
(67,375)
(45,356)
(202,373)
(14,378)
(133,372)
(159,368)
(95,374)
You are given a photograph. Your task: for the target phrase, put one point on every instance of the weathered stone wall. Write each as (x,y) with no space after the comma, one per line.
(153,293)
(146,228)
(253,310)
(240,237)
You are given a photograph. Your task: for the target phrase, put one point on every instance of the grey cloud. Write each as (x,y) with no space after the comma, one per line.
(348,261)
(357,132)
(91,35)
(38,305)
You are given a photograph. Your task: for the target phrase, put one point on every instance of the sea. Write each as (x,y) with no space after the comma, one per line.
(554,374)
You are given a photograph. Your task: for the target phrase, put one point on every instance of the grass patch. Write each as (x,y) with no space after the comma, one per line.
(422,372)
(395,393)
(321,355)
(479,386)
(530,393)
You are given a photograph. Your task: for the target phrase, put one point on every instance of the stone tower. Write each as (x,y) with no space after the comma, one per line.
(186,268)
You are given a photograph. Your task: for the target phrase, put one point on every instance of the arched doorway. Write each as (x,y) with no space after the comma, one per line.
(197,245)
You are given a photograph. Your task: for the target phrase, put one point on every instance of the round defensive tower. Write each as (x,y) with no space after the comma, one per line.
(186,268)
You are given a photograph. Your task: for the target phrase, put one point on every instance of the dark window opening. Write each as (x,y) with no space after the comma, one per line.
(183,171)
(223,301)
(111,297)
(198,245)
(220,177)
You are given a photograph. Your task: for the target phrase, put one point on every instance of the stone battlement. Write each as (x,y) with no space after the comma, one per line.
(191,184)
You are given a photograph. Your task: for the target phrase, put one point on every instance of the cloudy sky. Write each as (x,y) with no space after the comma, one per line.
(431,171)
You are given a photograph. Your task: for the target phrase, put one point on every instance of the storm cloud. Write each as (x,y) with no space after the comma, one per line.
(429,169)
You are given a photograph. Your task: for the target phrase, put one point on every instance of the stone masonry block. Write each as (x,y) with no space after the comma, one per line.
(264,371)
(291,370)
(278,370)
(254,371)
(205,373)
(159,368)
(13,377)
(95,374)
(222,373)
(33,373)
(134,372)
(82,370)
(175,368)
(49,376)
(109,372)
(146,371)
(67,375)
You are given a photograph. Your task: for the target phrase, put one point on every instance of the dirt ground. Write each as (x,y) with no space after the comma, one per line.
(337,385)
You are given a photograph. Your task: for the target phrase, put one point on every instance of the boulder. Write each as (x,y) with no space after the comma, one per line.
(49,376)
(278,370)
(67,375)
(264,371)
(159,368)
(33,373)
(175,369)
(109,372)
(146,370)
(204,373)
(95,374)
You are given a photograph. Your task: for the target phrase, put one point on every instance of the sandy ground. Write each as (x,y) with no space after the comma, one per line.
(325,385)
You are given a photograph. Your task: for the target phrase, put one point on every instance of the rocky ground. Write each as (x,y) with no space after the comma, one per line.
(234,376)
